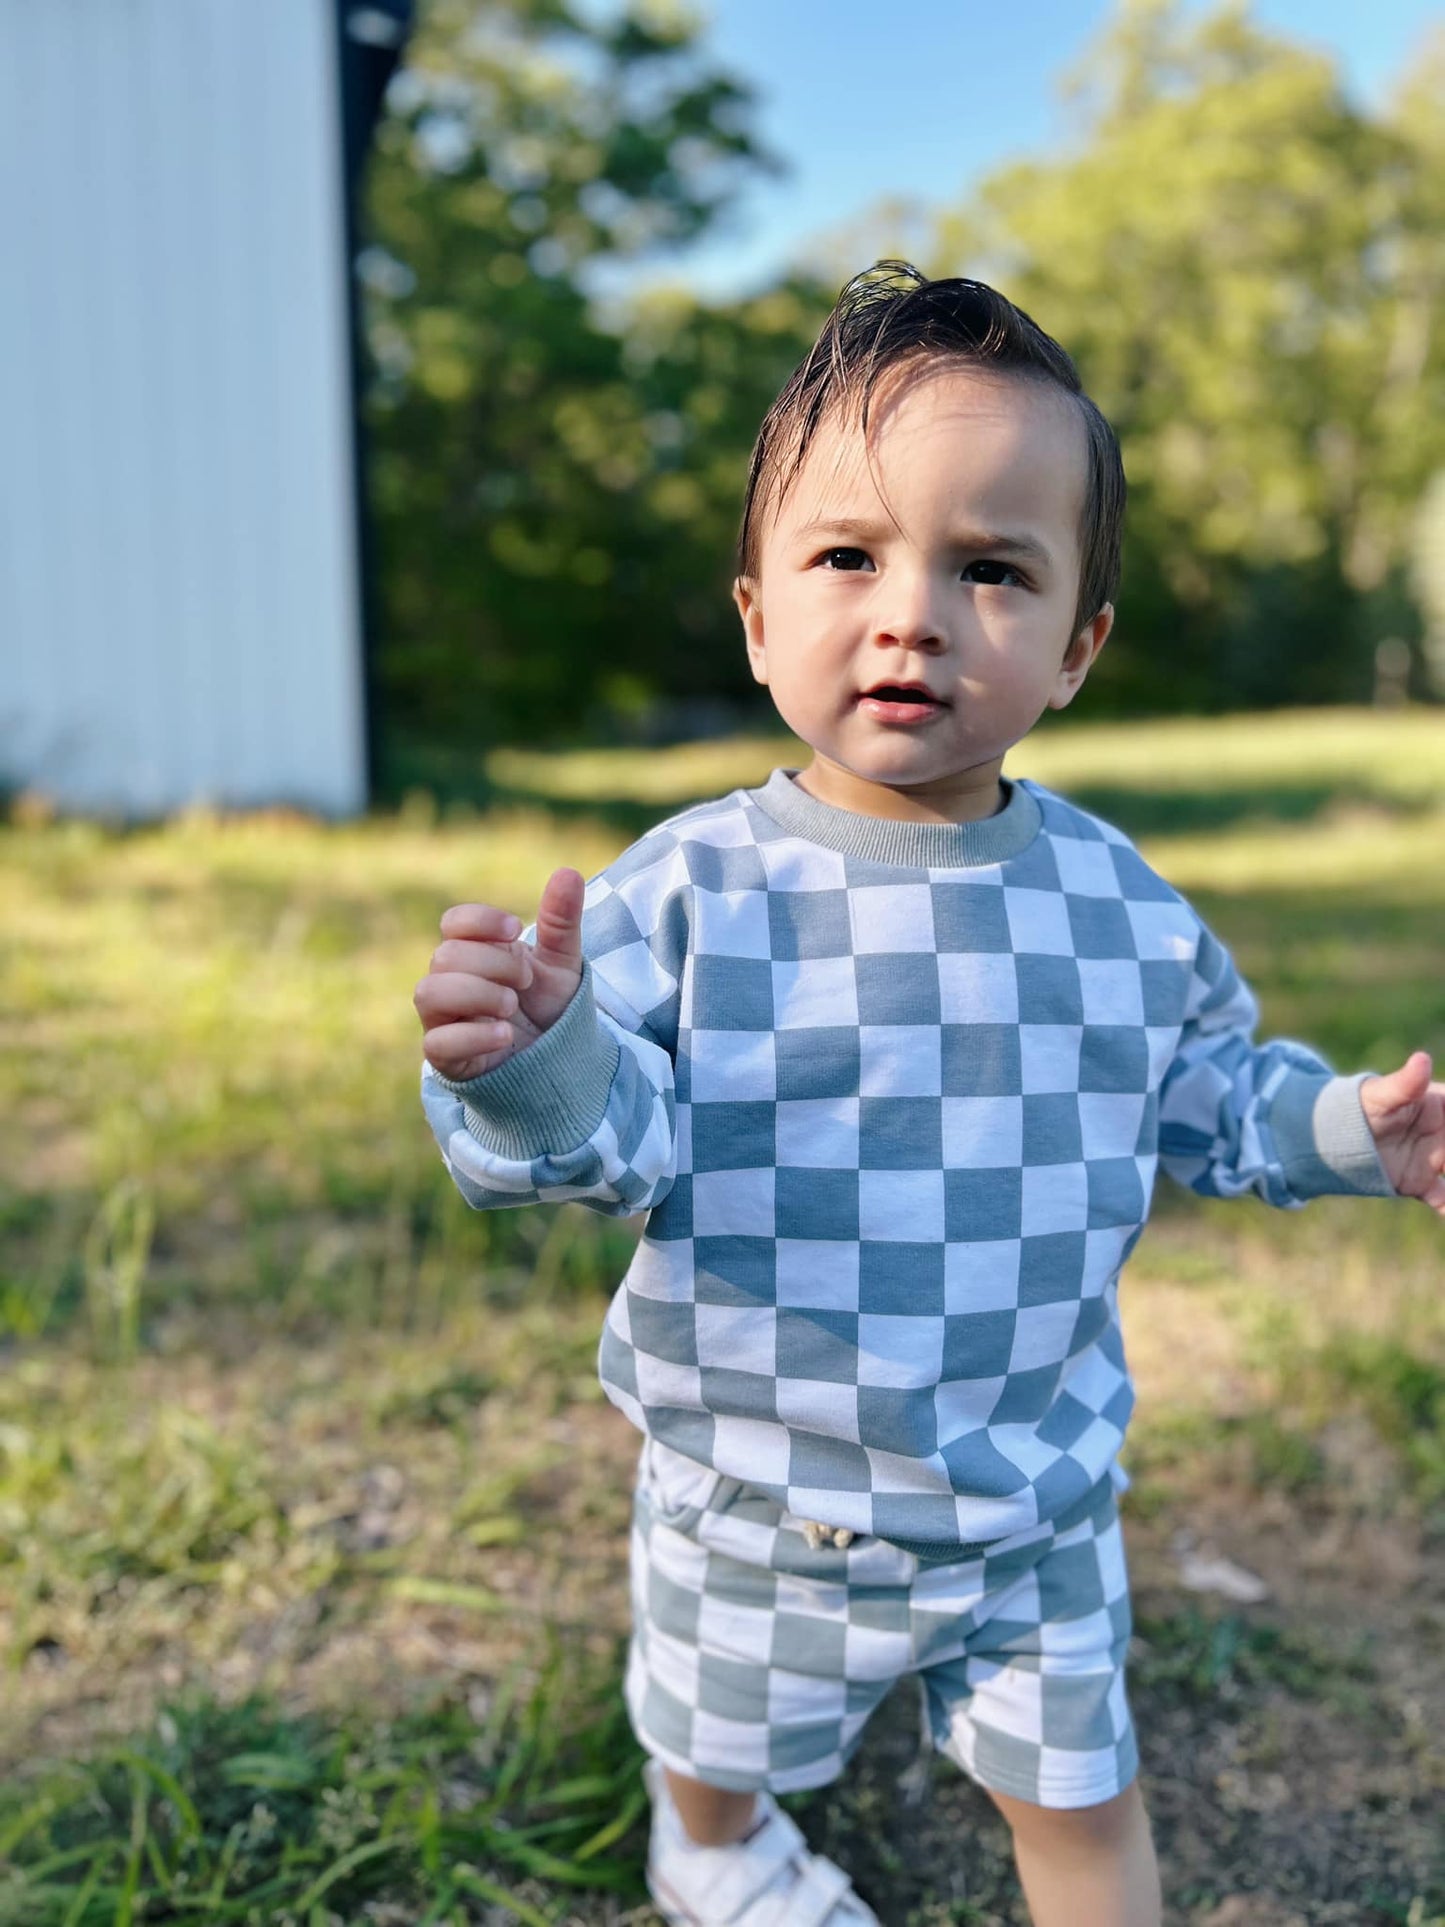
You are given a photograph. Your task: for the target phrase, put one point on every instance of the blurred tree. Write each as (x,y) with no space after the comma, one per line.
(1428,570)
(1417,390)
(705,376)
(550,494)
(1248,270)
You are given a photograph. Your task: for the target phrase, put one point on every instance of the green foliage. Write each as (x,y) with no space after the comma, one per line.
(554,498)
(1245,264)
(1401,1393)
(1196,1654)
(241,1813)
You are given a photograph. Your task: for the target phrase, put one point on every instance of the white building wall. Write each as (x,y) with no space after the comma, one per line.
(178,583)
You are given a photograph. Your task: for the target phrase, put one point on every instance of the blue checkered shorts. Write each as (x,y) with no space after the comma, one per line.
(756,1660)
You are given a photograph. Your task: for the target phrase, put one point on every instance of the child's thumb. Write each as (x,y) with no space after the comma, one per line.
(1404,1086)
(559,920)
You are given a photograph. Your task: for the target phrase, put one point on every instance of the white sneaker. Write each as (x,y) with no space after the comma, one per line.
(767,1880)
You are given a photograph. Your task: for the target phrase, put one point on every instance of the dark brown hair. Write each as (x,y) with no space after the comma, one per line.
(890,315)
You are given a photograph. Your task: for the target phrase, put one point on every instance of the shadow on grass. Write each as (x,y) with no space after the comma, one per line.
(927,1847)
(1139,812)
(1186,812)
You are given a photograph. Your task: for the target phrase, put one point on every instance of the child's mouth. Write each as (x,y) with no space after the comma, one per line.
(899,703)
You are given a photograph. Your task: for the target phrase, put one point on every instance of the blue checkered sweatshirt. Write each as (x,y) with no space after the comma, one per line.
(893,1096)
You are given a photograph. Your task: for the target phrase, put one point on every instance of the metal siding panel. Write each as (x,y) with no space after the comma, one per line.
(123,617)
(178,599)
(192,485)
(228,315)
(18,676)
(34,397)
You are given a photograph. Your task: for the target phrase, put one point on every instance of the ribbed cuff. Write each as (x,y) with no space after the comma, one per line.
(551,1096)
(1325,1145)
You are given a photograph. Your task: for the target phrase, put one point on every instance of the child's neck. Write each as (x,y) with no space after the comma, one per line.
(968,797)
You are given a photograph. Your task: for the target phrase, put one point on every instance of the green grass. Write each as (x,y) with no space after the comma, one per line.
(239,1813)
(1194,1654)
(291,1440)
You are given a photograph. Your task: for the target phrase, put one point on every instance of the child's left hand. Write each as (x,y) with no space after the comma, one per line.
(1406,1113)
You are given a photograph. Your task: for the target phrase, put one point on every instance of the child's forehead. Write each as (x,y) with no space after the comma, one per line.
(959,425)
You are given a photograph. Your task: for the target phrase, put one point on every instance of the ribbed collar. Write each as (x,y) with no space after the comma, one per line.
(930,846)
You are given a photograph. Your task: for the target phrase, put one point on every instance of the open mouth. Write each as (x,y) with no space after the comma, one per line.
(899,692)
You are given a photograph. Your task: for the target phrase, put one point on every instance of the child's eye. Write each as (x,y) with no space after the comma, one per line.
(994,574)
(844,558)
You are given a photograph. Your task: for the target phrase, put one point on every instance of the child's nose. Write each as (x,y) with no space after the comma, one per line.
(911,617)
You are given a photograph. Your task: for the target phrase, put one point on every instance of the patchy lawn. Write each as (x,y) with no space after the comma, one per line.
(312,1577)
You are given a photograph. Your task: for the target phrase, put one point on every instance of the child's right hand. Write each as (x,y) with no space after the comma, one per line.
(488,995)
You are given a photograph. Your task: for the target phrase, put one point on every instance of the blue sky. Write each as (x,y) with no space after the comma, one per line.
(920,97)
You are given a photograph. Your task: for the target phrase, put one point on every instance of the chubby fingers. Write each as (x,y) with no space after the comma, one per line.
(449,1046)
(469,977)
(461,1051)
(457,996)
(501,963)
(480,920)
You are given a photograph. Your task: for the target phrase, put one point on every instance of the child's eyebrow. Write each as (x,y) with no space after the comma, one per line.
(1026,548)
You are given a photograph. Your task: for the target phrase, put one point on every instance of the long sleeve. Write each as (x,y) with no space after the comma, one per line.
(587,1113)
(1236,1116)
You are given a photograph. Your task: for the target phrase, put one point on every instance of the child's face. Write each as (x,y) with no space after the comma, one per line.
(966,591)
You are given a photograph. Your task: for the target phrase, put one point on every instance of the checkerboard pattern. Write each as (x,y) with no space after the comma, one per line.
(894,1096)
(756,1661)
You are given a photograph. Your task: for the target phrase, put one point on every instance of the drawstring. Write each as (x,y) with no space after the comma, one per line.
(818,1535)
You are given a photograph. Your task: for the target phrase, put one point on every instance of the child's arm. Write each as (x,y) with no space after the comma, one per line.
(1236,1116)
(532,1091)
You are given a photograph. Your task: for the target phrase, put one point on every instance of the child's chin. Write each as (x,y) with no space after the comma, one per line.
(900,770)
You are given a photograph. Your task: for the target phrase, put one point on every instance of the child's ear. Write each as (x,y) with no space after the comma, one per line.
(1079,657)
(745,598)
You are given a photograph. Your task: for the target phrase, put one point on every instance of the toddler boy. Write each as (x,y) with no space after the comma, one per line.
(889,1049)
